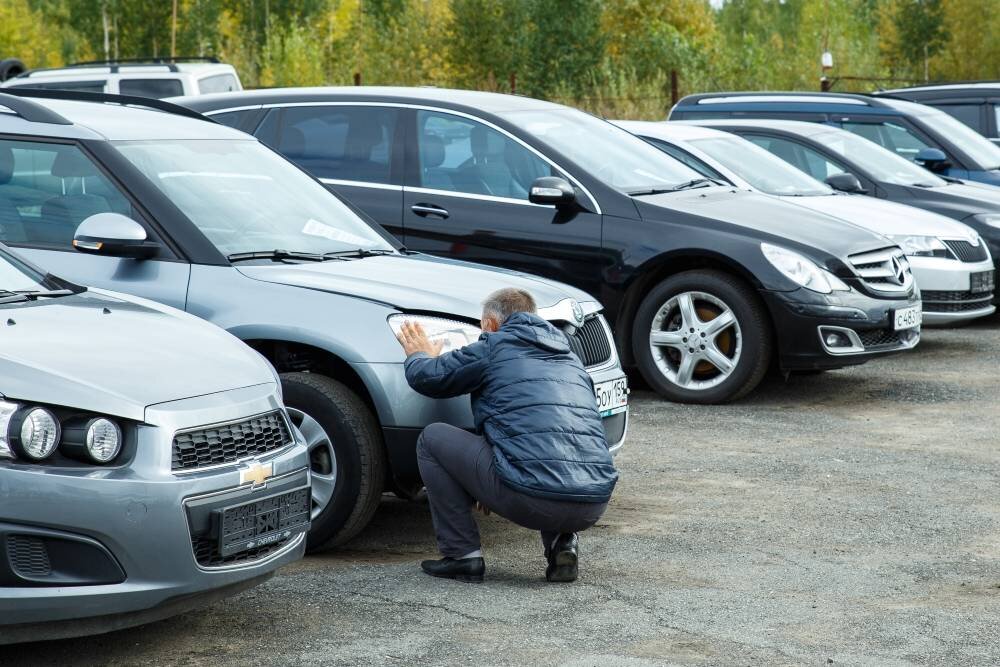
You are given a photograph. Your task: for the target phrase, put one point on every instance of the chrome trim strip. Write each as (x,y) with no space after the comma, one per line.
(423,107)
(250,107)
(362,184)
(469,195)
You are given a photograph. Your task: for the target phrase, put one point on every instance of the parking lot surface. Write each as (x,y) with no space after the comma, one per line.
(847,518)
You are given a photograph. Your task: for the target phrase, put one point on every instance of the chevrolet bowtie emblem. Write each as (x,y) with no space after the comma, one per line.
(257,473)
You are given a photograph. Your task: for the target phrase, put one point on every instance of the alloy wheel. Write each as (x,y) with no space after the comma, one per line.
(695,340)
(322,459)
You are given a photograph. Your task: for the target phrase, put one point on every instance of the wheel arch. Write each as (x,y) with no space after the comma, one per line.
(661,267)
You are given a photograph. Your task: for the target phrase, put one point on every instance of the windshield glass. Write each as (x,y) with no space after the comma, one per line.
(980,149)
(617,158)
(882,164)
(759,168)
(246,198)
(15,276)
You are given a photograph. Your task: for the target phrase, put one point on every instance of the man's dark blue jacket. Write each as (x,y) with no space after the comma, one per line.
(533,402)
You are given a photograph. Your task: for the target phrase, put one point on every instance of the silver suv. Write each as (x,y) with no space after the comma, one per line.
(146,463)
(176,208)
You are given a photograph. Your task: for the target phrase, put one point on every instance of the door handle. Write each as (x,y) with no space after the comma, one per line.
(424,210)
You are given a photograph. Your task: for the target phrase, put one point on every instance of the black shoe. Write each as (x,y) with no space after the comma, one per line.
(563,557)
(465,569)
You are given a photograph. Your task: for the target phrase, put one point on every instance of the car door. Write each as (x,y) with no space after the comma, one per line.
(466,197)
(47,189)
(355,150)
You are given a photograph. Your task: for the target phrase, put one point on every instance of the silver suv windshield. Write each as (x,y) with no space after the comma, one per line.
(245,198)
(981,150)
(616,157)
(761,169)
(881,163)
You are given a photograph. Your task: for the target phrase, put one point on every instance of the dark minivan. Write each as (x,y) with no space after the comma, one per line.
(929,137)
(975,103)
(705,285)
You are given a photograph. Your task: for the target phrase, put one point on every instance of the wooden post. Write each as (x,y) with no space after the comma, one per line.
(513,83)
(675,93)
(357,78)
(173,32)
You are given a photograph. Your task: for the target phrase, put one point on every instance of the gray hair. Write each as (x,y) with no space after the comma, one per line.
(505,302)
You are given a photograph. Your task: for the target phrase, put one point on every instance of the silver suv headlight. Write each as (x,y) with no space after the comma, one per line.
(455,334)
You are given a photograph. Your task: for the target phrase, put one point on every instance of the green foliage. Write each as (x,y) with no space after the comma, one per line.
(614,57)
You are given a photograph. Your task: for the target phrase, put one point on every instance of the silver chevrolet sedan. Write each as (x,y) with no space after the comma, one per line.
(147,465)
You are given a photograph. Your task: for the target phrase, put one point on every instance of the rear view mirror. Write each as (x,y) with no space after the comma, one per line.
(933,159)
(845,182)
(551,190)
(115,235)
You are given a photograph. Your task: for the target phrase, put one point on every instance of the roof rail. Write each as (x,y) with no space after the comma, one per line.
(802,96)
(107,98)
(157,60)
(31,111)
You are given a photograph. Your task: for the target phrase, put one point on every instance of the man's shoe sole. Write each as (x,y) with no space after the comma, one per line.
(465,578)
(565,569)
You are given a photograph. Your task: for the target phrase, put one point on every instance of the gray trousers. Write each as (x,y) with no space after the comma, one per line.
(458,470)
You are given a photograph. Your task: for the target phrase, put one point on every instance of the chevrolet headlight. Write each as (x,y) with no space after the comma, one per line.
(802,270)
(921,246)
(31,434)
(455,334)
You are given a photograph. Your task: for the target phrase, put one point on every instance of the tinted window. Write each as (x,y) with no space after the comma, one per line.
(220,83)
(47,190)
(879,163)
(798,155)
(898,138)
(462,155)
(96,86)
(233,119)
(344,143)
(967,113)
(158,88)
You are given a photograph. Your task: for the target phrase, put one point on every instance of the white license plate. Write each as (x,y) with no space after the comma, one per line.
(612,396)
(907,318)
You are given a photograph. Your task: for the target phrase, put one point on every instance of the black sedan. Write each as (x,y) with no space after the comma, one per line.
(705,285)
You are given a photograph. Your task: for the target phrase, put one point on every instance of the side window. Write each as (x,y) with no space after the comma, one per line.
(233,119)
(340,142)
(219,83)
(461,155)
(686,158)
(802,157)
(47,190)
(157,88)
(967,113)
(897,138)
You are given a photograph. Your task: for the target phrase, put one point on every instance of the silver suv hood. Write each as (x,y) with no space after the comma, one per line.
(415,282)
(104,352)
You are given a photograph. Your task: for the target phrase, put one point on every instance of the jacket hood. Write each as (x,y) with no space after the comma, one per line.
(415,282)
(763,216)
(885,217)
(533,329)
(116,355)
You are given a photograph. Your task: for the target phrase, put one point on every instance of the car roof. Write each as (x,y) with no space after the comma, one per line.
(670,130)
(126,70)
(472,100)
(797,127)
(802,101)
(114,122)
(936,87)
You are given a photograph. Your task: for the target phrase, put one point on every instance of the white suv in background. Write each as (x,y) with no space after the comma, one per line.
(158,77)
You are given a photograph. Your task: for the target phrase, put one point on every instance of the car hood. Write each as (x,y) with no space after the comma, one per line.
(102,352)
(770,218)
(885,217)
(415,282)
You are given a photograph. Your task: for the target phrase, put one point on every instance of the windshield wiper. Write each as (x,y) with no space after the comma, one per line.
(8,296)
(697,183)
(276,255)
(359,253)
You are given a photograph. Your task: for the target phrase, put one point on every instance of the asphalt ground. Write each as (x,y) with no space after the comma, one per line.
(850,518)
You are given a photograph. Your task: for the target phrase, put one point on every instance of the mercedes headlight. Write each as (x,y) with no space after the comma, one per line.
(921,246)
(802,270)
(455,334)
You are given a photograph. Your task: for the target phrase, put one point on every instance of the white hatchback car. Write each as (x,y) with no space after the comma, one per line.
(951,263)
(157,78)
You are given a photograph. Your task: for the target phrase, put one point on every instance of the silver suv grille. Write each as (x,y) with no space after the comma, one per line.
(885,270)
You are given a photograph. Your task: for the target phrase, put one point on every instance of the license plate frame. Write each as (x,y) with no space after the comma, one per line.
(263,521)
(907,318)
(982,282)
(612,396)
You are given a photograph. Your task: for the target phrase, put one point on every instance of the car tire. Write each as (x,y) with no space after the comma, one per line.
(663,340)
(344,437)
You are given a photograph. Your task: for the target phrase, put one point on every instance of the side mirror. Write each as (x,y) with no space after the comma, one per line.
(845,182)
(115,235)
(933,159)
(551,190)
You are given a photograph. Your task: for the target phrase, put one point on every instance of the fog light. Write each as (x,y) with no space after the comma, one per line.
(833,340)
(98,440)
(35,434)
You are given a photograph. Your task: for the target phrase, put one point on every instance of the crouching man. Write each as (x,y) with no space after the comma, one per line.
(538,458)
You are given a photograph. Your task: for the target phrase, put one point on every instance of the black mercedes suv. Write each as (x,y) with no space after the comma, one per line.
(705,285)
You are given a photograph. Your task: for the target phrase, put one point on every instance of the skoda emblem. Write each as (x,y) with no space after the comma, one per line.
(577,313)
